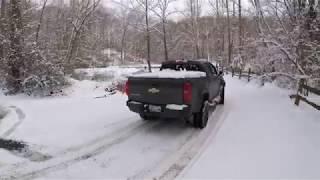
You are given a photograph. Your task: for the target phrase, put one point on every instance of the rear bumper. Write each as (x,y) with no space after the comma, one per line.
(167,111)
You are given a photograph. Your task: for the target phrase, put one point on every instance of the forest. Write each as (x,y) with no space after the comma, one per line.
(43,42)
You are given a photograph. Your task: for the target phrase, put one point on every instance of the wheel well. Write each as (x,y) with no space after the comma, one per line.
(205,96)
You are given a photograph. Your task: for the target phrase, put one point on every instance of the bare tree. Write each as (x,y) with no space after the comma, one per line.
(2,26)
(194,11)
(40,20)
(240,24)
(15,63)
(124,17)
(87,7)
(146,6)
(229,33)
(148,34)
(162,11)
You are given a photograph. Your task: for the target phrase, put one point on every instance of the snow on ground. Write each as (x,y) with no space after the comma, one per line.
(172,74)
(53,124)
(3,112)
(8,158)
(260,134)
(59,123)
(105,74)
(264,136)
(8,120)
(313,98)
(86,88)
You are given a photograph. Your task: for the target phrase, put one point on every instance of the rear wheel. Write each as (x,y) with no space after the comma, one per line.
(147,117)
(201,118)
(222,96)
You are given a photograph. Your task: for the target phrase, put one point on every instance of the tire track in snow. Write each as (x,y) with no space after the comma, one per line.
(100,145)
(21,117)
(102,138)
(172,166)
(145,172)
(77,148)
(27,152)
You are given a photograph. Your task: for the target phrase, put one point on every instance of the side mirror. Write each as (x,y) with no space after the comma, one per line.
(220,73)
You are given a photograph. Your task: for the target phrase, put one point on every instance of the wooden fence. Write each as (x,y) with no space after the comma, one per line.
(242,74)
(303,92)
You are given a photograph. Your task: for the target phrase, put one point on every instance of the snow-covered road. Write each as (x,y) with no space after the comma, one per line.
(101,135)
(264,137)
(257,134)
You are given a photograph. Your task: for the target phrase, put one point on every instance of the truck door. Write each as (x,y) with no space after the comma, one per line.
(214,81)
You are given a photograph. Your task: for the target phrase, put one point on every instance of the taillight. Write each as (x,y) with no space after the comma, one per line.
(187,93)
(126,88)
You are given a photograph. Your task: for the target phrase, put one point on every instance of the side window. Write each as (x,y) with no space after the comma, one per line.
(213,69)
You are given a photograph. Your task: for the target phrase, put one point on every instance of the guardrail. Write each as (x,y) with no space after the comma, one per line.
(302,92)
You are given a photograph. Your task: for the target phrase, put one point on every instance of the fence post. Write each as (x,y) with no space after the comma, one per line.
(301,82)
(232,71)
(297,101)
(249,74)
(306,92)
(240,73)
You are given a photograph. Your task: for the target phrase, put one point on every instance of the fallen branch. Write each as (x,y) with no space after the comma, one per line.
(277,74)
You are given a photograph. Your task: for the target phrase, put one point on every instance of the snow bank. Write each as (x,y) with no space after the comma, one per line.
(104,74)
(172,74)
(86,88)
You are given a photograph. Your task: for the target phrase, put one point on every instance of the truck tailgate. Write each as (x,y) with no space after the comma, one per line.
(156,90)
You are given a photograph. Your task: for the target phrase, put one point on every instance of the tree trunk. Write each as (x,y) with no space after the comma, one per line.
(3,8)
(40,21)
(197,13)
(229,33)
(166,56)
(147,35)
(15,53)
(123,42)
(259,15)
(78,26)
(2,26)
(218,33)
(233,8)
(240,26)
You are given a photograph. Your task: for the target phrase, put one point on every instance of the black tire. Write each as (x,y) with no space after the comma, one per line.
(201,118)
(189,120)
(196,118)
(222,94)
(147,117)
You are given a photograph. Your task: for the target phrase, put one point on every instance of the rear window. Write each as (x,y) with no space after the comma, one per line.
(182,67)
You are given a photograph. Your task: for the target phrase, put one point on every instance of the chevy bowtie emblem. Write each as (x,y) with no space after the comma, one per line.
(153,90)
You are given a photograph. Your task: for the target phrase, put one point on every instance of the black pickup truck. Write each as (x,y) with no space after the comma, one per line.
(181,89)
